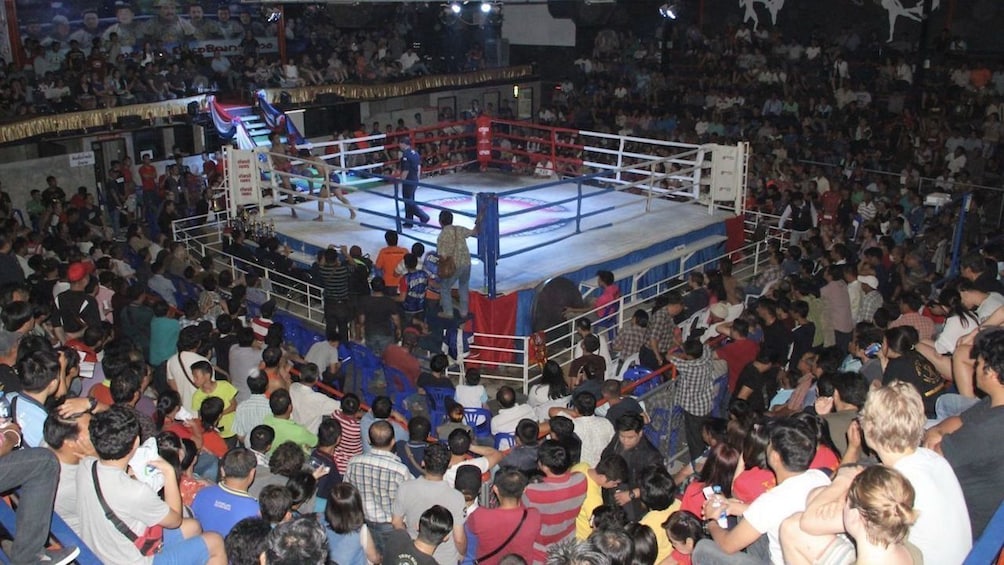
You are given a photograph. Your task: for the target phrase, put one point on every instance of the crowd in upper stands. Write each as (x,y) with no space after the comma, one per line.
(86,64)
(163,406)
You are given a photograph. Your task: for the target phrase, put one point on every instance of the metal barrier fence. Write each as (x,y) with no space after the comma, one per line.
(205,236)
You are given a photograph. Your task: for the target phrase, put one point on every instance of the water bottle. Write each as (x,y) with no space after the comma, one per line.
(719,505)
(4,409)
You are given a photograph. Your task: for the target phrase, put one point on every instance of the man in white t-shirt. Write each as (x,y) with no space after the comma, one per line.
(789,453)
(460,445)
(179,372)
(510,414)
(892,422)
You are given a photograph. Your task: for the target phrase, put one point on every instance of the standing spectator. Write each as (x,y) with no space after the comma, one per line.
(557,498)
(661,337)
(838,303)
(694,393)
(387,260)
(281,421)
(509,529)
(639,453)
(739,352)
(310,406)
(334,278)
(378,475)
(452,245)
(417,495)
(803,216)
(378,320)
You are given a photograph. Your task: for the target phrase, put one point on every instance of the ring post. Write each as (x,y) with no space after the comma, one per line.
(488,239)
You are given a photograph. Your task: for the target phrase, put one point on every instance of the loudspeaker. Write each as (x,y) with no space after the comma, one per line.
(129,122)
(193,109)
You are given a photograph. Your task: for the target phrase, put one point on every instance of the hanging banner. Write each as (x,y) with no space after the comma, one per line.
(244,178)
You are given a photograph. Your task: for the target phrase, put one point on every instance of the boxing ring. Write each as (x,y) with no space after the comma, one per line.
(553,203)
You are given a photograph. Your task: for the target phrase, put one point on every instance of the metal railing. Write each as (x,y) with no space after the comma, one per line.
(305,300)
(205,236)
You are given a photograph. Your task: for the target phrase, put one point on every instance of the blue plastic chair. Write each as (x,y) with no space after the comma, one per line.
(480,420)
(437,403)
(987,549)
(504,441)
(59,530)
(675,426)
(637,373)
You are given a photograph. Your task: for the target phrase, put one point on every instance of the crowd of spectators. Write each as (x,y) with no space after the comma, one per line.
(94,63)
(855,380)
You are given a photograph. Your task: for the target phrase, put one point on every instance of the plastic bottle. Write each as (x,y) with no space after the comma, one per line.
(719,504)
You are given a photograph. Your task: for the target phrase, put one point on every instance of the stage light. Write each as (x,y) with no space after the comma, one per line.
(455,8)
(486,7)
(668,11)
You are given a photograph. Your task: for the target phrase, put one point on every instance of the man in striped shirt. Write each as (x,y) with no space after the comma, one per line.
(558,498)
(333,276)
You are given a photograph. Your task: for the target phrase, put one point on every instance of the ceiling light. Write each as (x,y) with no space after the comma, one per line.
(455,8)
(668,11)
(486,7)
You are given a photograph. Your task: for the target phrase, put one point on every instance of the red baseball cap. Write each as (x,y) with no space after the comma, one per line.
(78,271)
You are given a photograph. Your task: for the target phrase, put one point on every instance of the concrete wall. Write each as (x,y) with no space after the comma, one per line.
(21,177)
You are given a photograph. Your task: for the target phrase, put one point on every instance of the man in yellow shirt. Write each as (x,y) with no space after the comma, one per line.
(607,474)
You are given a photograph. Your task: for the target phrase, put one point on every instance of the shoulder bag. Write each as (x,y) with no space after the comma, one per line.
(148,544)
(505,543)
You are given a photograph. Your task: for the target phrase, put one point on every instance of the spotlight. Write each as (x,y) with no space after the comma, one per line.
(486,7)
(668,11)
(455,7)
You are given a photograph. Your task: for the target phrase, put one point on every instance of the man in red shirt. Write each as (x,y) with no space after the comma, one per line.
(148,181)
(830,204)
(740,352)
(493,533)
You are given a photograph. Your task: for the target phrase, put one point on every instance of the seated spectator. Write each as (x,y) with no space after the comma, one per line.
(657,495)
(298,541)
(310,406)
(247,541)
(455,420)
(434,529)
(791,449)
(381,411)
(739,352)
(286,430)
(631,337)
(39,372)
(910,305)
(616,404)
(471,393)
(325,355)
(461,447)
(551,392)
(963,439)
(252,411)
(412,452)
(523,455)
(114,435)
(510,413)
(69,438)
(639,453)
(275,504)
(219,507)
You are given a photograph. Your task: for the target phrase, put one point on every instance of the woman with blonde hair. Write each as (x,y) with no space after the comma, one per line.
(878,514)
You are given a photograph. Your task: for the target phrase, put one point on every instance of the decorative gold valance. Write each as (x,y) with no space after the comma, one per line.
(390,90)
(50,124)
(56,123)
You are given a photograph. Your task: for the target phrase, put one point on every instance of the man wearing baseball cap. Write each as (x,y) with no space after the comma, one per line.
(76,308)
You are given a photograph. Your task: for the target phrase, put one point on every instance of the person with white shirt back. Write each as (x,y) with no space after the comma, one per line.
(510,414)
(790,451)
(310,406)
(892,422)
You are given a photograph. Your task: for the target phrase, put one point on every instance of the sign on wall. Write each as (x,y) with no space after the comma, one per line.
(85,159)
